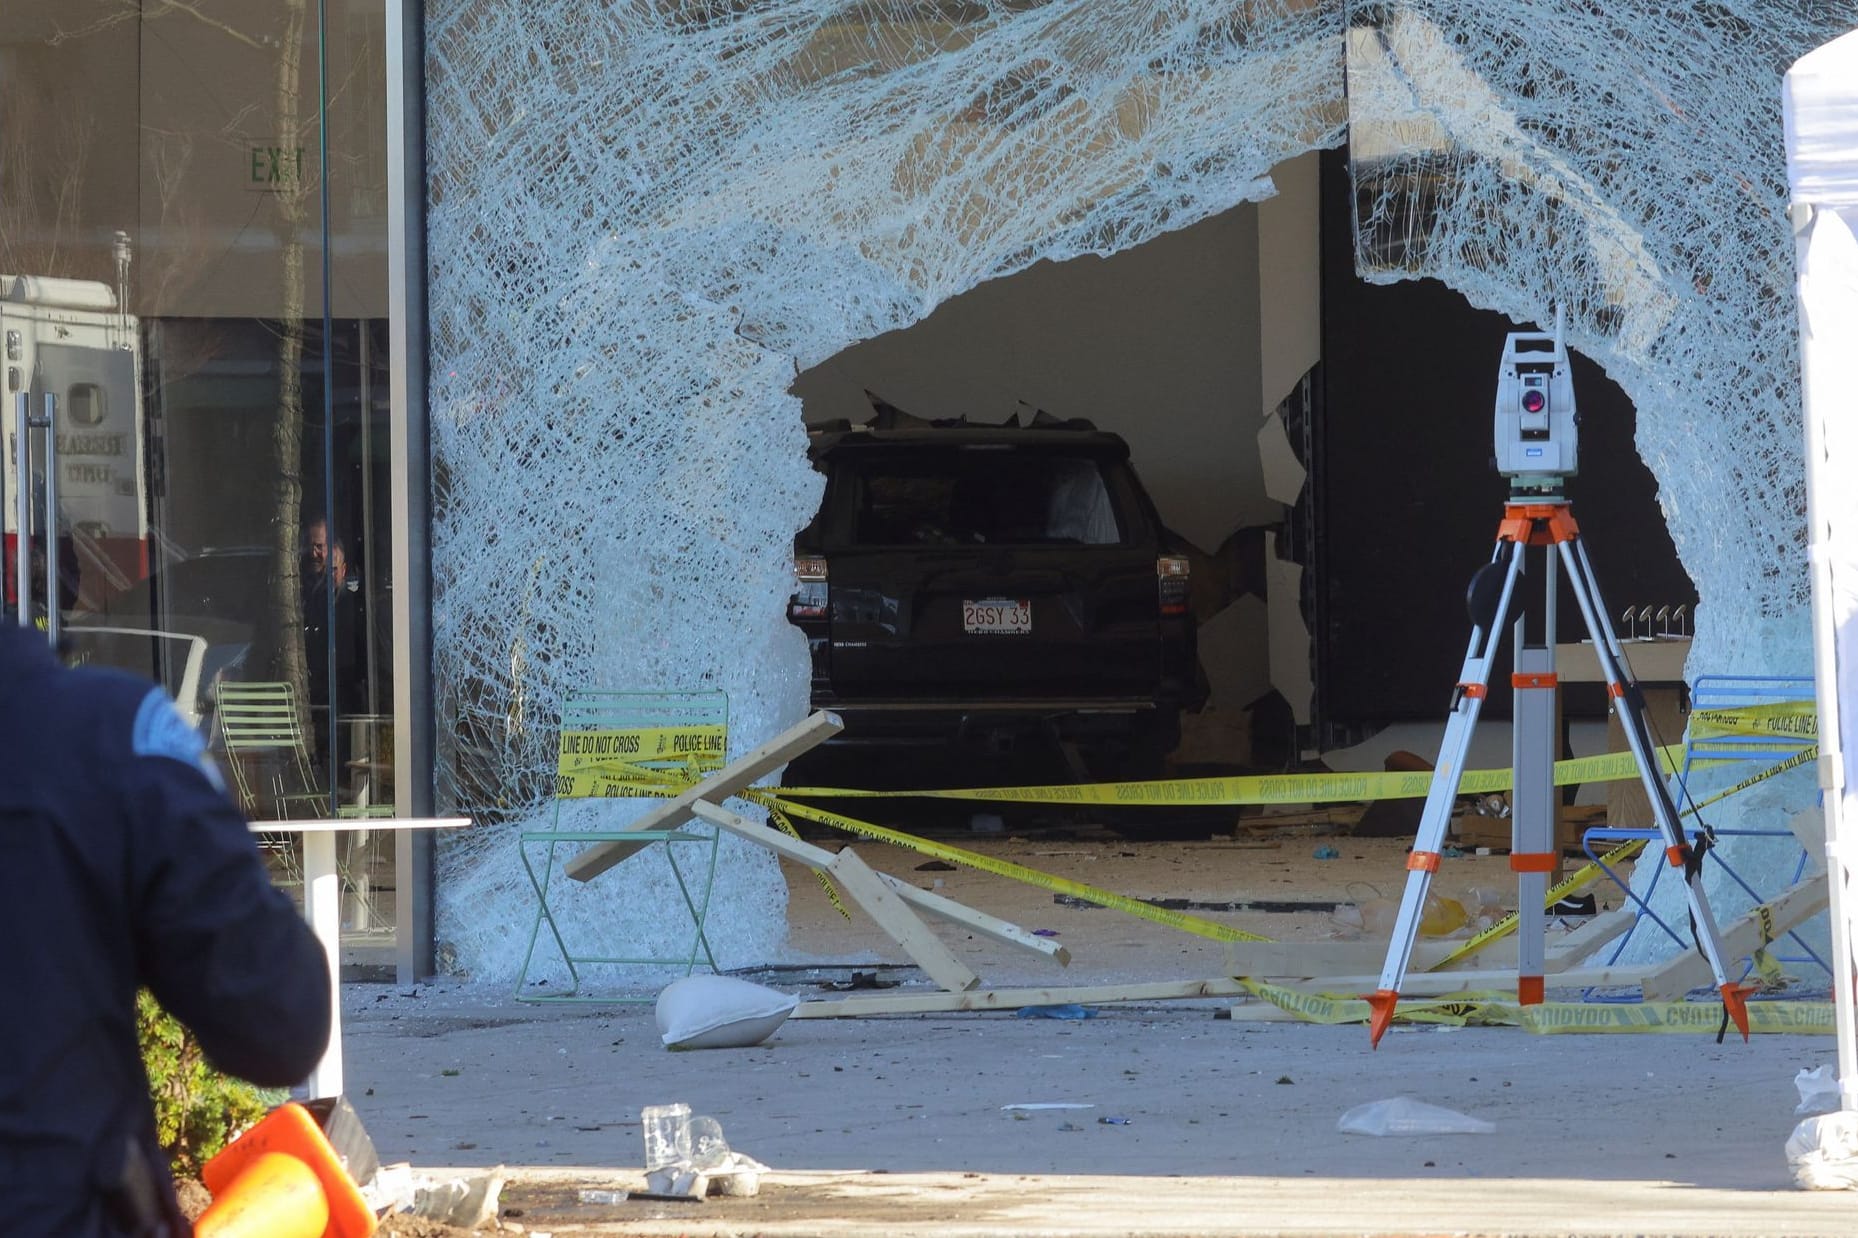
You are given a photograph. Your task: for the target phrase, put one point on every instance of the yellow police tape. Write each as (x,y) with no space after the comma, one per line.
(1268,788)
(1006,868)
(703,744)
(1784,719)
(616,781)
(593,766)
(1551,1018)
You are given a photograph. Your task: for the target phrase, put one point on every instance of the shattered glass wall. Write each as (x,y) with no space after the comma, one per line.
(645,215)
(643,218)
(1625,160)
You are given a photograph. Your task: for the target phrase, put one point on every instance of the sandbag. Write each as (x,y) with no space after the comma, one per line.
(720,1012)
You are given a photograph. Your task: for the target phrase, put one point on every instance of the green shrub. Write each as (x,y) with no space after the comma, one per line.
(197,1109)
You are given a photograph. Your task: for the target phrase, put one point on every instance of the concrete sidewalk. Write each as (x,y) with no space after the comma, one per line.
(895,1126)
(1053,1206)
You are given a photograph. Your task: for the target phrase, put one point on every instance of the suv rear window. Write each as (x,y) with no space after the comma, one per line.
(980,495)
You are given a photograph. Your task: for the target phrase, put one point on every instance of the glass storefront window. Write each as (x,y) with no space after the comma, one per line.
(193,258)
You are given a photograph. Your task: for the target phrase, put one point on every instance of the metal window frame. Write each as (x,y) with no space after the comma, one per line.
(410,493)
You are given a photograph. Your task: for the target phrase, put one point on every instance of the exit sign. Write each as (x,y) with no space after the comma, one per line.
(275,168)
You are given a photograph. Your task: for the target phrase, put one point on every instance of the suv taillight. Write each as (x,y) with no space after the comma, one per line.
(1171,574)
(811,598)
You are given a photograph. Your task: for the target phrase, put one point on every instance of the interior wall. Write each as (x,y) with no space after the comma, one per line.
(1290,316)
(1159,344)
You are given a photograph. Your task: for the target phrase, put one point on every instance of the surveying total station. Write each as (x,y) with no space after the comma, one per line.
(1536,440)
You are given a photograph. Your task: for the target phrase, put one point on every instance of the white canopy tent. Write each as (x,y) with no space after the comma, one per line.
(1820,105)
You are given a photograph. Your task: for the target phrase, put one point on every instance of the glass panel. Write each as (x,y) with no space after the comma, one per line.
(214,337)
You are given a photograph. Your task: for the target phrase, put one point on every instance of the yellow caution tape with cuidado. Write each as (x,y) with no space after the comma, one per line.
(1267,789)
(1552,1018)
(1587,874)
(1455,1010)
(1195,925)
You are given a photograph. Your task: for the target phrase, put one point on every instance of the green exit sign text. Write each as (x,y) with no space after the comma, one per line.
(276,168)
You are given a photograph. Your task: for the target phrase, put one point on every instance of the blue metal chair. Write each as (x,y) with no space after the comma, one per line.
(1712,746)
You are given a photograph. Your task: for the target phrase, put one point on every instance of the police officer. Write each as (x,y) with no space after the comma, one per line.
(126,866)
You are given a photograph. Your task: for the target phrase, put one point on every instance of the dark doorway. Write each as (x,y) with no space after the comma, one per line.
(1405,501)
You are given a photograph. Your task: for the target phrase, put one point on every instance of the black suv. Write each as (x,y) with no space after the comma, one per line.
(982,586)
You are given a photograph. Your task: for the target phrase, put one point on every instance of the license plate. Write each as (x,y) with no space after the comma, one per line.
(997,617)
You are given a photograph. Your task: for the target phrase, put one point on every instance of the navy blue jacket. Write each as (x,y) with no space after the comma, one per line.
(126,865)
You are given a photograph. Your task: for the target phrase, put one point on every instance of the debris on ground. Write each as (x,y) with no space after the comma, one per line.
(1068,1010)
(467,1202)
(406,1225)
(687,1157)
(1402,1115)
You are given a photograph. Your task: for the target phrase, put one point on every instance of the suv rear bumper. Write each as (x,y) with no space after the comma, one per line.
(918,722)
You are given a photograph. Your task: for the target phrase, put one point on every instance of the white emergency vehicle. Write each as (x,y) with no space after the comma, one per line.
(74,340)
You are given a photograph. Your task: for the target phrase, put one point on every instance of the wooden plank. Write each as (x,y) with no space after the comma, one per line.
(784,845)
(1013,999)
(977,922)
(1741,937)
(790,848)
(881,903)
(719,786)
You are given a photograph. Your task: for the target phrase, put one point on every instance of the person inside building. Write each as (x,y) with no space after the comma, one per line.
(130,868)
(325,569)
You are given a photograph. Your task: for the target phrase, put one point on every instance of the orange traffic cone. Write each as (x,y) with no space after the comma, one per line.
(277,1196)
(281,1179)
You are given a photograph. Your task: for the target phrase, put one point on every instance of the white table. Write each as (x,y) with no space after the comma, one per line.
(322,907)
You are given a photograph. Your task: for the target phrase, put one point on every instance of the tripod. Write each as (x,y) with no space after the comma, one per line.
(1537,520)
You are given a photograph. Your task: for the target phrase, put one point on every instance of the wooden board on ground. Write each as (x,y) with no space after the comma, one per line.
(1013,999)
(1741,937)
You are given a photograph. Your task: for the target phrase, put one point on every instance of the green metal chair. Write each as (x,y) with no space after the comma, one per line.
(261,731)
(259,725)
(615,739)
